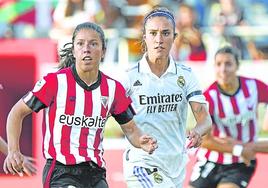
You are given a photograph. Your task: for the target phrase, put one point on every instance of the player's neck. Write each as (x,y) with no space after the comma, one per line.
(158,66)
(89,77)
(230,88)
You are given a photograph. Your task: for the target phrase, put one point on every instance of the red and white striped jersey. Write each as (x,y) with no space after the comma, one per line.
(234,116)
(75,114)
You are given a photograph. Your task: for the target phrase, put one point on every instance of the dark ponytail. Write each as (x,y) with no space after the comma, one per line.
(66,56)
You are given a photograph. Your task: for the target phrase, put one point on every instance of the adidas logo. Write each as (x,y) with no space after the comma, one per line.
(137,83)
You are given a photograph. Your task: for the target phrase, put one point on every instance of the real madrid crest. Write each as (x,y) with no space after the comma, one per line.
(181,81)
(158,178)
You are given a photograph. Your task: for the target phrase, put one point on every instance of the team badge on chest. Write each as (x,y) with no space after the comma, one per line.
(157,178)
(104,101)
(181,81)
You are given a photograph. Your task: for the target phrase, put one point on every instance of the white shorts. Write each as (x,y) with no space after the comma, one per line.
(144,177)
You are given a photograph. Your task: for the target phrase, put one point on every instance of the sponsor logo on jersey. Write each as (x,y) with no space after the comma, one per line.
(39,85)
(172,98)
(137,83)
(243,118)
(181,81)
(82,121)
(104,101)
(161,103)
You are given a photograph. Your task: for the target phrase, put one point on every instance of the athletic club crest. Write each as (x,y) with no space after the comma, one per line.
(104,101)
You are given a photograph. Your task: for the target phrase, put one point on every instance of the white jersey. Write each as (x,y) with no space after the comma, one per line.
(161,105)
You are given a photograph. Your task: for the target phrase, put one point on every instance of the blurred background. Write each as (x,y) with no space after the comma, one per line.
(32,32)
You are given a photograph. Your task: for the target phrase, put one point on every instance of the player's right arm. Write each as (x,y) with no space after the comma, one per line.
(14,161)
(3,146)
(228,145)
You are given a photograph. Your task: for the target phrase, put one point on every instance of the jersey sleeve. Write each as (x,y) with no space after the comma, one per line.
(42,94)
(125,81)
(121,101)
(121,109)
(209,102)
(262,91)
(193,89)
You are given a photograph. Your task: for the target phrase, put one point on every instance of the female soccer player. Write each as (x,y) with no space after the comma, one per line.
(161,90)
(77,100)
(227,156)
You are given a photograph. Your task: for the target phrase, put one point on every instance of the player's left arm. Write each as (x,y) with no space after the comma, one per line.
(258,146)
(203,123)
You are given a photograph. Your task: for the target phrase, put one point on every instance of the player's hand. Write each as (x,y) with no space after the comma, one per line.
(248,153)
(28,166)
(14,163)
(148,143)
(17,163)
(195,139)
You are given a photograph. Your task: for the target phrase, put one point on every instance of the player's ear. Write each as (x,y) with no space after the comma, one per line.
(175,35)
(143,36)
(103,54)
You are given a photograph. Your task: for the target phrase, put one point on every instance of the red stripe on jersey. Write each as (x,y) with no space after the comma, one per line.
(207,154)
(236,111)
(252,130)
(216,131)
(234,105)
(244,87)
(220,106)
(96,145)
(245,90)
(222,114)
(210,102)
(85,131)
(262,91)
(44,131)
(234,159)
(227,131)
(220,158)
(52,116)
(239,131)
(238,125)
(104,93)
(104,108)
(69,109)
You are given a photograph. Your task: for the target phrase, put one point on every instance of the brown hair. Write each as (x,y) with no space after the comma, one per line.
(229,50)
(158,11)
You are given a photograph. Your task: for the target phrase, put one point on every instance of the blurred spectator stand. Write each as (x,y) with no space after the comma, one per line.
(188,45)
